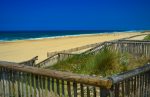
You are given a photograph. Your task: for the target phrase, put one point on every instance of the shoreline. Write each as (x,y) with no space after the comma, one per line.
(65,36)
(22,50)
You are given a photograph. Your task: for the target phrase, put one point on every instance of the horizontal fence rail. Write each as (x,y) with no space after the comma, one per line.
(50,60)
(135,36)
(30,62)
(26,81)
(49,54)
(97,48)
(133,83)
(134,47)
(94,45)
(54,57)
(134,40)
(20,80)
(137,49)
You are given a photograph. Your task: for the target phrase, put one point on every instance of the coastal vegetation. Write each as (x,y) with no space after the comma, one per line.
(105,63)
(147,37)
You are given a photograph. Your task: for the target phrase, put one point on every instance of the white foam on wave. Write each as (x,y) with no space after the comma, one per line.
(53,37)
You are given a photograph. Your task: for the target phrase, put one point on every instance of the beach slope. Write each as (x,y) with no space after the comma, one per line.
(22,50)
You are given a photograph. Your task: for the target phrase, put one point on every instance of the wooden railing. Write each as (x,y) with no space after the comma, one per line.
(126,38)
(18,80)
(49,54)
(134,47)
(57,56)
(27,81)
(30,62)
(133,83)
(54,59)
(62,56)
(97,48)
(94,45)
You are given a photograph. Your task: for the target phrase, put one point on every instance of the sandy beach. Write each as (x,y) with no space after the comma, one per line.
(22,50)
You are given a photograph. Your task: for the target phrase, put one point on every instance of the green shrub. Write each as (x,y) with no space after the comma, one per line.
(104,63)
(147,37)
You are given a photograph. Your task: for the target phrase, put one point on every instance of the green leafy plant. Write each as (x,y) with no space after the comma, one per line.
(105,63)
(147,37)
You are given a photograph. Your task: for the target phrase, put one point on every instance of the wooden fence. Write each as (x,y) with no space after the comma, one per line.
(49,54)
(27,81)
(62,56)
(133,83)
(30,62)
(19,80)
(134,47)
(54,59)
(94,45)
(143,33)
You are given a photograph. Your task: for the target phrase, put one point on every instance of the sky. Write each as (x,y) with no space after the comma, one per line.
(74,15)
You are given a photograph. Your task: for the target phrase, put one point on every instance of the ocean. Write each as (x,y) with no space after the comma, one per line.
(32,35)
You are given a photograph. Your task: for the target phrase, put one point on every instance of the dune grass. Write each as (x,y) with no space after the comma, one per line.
(147,37)
(104,63)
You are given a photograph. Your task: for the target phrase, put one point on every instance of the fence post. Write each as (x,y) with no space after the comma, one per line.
(1,82)
(104,92)
(58,57)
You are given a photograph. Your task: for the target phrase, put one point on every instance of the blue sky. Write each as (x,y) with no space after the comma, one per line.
(74,14)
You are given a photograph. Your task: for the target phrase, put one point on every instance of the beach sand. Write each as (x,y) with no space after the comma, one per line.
(22,50)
